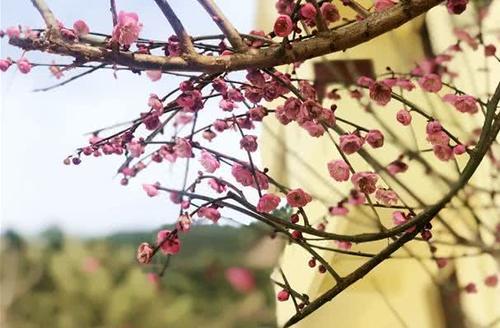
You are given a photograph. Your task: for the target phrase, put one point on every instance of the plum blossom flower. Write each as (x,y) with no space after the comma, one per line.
(380,92)
(464,36)
(190,100)
(256,43)
(386,196)
(56,71)
(257,113)
(227,105)
(404,117)
(330,12)
(314,129)
(365,182)
(91,264)
(338,210)
(208,135)
(283,26)
(463,103)
(283,295)
(381,5)
(168,241)
(151,120)
(182,148)
(433,127)
(291,108)
(459,149)
(242,174)
(345,245)
(399,218)
(183,223)
(397,166)
(241,279)
(135,148)
(209,162)
(308,11)
(268,203)
(249,143)
(491,280)
(443,152)
(441,262)
(339,170)
(356,197)
(144,253)
(154,75)
(150,189)
(13,32)
(438,138)
(5,64)
(127,29)
(217,185)
(155,103)
(24,65)
(470,288)
(80,28)
(365,81)
(210,213)
(430,82)
(375,138)
(456,6)
(490,50)
(298,198)
(350,143)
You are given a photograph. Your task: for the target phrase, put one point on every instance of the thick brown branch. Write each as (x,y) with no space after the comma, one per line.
(47,15)
(224,24)
(340,39)
(180,31)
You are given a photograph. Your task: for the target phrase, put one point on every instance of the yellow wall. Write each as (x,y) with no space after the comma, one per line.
(404,286)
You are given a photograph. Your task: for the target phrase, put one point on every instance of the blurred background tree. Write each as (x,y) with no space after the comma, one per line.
(57,281)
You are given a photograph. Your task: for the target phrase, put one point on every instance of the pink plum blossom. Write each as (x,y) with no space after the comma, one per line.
(339,170)
(24,65)
(210,213)
(154,75)
(144,253)
(182,148)
(380,92)
(283,26)
(241,279)
(430,82)
(127,29)
(365,182)
(150,189)
(330,12)
(350,143)
(404,117)
(268,203)
(168,241)
(375,138)
(209,162)
(80,28)
(298,198)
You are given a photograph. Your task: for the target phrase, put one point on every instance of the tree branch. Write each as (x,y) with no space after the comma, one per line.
(48,17)
(425,217)
(180,31)
(224,25)
(339,39)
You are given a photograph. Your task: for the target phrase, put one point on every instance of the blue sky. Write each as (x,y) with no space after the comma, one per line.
(38,130)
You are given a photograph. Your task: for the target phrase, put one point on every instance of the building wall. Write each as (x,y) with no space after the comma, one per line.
(400,292)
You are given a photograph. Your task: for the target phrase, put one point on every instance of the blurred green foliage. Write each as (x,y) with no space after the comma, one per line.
(60,282)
